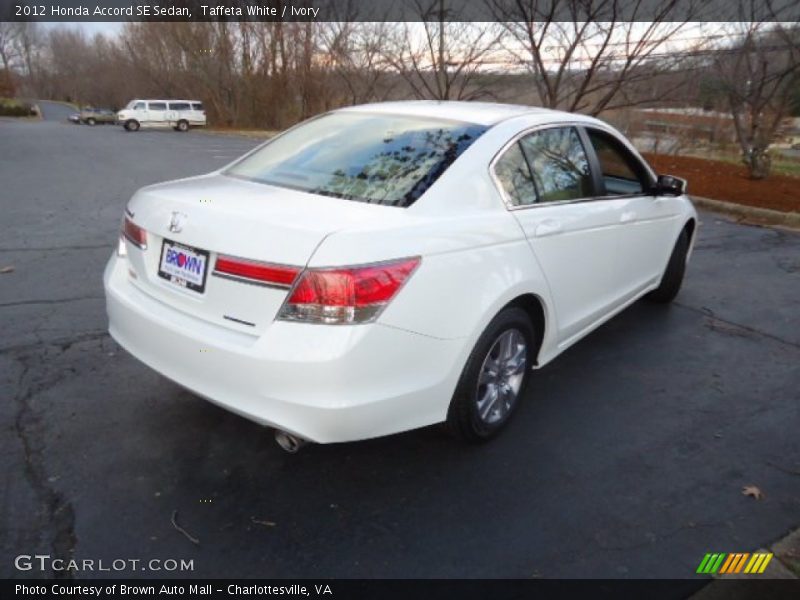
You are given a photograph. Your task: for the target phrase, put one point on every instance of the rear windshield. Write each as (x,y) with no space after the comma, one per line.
(380,159)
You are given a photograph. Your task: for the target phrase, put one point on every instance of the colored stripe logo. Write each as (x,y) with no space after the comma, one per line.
(741,562)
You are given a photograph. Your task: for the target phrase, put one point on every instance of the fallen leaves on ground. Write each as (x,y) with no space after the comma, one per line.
(730,182)
(261,522)
(753,492)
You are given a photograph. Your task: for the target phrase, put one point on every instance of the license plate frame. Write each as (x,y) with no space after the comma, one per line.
(175,278)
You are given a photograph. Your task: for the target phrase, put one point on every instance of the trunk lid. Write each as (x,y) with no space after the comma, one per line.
(221,215)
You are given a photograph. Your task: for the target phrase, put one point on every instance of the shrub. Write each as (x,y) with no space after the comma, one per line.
(10,107)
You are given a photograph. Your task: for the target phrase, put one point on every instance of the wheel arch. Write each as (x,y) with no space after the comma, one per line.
(534,306)
(690,226)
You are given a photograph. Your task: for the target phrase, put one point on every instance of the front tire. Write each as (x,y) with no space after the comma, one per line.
(91,121)
(131,125)
(494,378)
(673,274)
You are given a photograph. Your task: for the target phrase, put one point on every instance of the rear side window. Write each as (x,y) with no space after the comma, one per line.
(514,174)
(375,158)
(179,106)
(157,105)
(558,164)
(197,106)
(622,173)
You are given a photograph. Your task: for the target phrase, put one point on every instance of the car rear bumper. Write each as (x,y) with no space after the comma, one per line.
(323,383)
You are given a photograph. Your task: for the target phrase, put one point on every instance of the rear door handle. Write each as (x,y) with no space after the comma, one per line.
(547,227)
(627,217)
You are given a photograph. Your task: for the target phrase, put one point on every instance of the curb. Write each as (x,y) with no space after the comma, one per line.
(249,134)
(751,213)
(785,565)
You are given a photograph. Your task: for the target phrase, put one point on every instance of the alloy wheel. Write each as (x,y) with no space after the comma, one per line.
(501,376)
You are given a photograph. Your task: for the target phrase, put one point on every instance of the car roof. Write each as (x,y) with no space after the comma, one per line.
(164,100)
(482,113)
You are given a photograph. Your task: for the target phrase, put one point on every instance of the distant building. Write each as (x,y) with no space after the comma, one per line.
(792,132)
(691,123)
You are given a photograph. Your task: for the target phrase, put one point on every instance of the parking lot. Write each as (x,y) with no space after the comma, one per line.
(626,459)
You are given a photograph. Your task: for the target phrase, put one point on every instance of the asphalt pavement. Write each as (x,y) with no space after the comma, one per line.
(627,458)
(55,111)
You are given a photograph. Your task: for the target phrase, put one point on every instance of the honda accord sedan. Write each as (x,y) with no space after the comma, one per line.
(390,266)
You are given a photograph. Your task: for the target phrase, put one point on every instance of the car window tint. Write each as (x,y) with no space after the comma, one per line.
(157,106)
(621,171)
(376,158)
(139,106)
(558,163)
(514,175)
(178,106)
(197,106)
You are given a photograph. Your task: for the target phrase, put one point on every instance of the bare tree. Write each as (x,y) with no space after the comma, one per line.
(18,45)
(591,55)
(353,52)
(758,73)
(442,58)
(9,44)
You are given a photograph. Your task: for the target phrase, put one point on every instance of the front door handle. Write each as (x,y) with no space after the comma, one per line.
(627,217)
(548,227)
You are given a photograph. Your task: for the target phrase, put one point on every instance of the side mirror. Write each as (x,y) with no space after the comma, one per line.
(669,185)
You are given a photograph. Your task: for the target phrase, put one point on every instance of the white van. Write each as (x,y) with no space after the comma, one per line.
(178,114)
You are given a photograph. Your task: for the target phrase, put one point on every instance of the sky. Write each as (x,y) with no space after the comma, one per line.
(110,29)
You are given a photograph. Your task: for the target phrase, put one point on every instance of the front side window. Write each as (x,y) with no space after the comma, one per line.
(622,172)
(558,164)
(157,106)
(138,106)
(375,158)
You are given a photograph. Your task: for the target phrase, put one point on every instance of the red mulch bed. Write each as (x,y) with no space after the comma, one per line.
(730,182)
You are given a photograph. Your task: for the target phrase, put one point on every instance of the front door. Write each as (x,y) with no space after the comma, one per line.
(649,225)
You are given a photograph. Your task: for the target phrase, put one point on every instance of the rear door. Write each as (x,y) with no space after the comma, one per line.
(550,189)
(179,111)
(648,222)
(198,113)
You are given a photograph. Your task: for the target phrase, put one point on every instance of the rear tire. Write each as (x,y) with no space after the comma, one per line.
(183,126)
(673,275)
(91,121)
(494,378)
(132,125)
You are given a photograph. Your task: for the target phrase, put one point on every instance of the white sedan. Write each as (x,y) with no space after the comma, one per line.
(385,267)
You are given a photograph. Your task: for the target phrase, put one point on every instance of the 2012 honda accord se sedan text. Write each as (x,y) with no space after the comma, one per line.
(390,266)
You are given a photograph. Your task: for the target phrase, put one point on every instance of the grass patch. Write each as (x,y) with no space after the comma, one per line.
(259,134)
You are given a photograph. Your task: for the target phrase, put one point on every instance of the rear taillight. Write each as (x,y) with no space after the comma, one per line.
(251,271)
(347,295)
(134,234)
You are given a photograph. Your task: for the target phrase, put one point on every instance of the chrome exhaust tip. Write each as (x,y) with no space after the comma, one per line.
(289,442)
